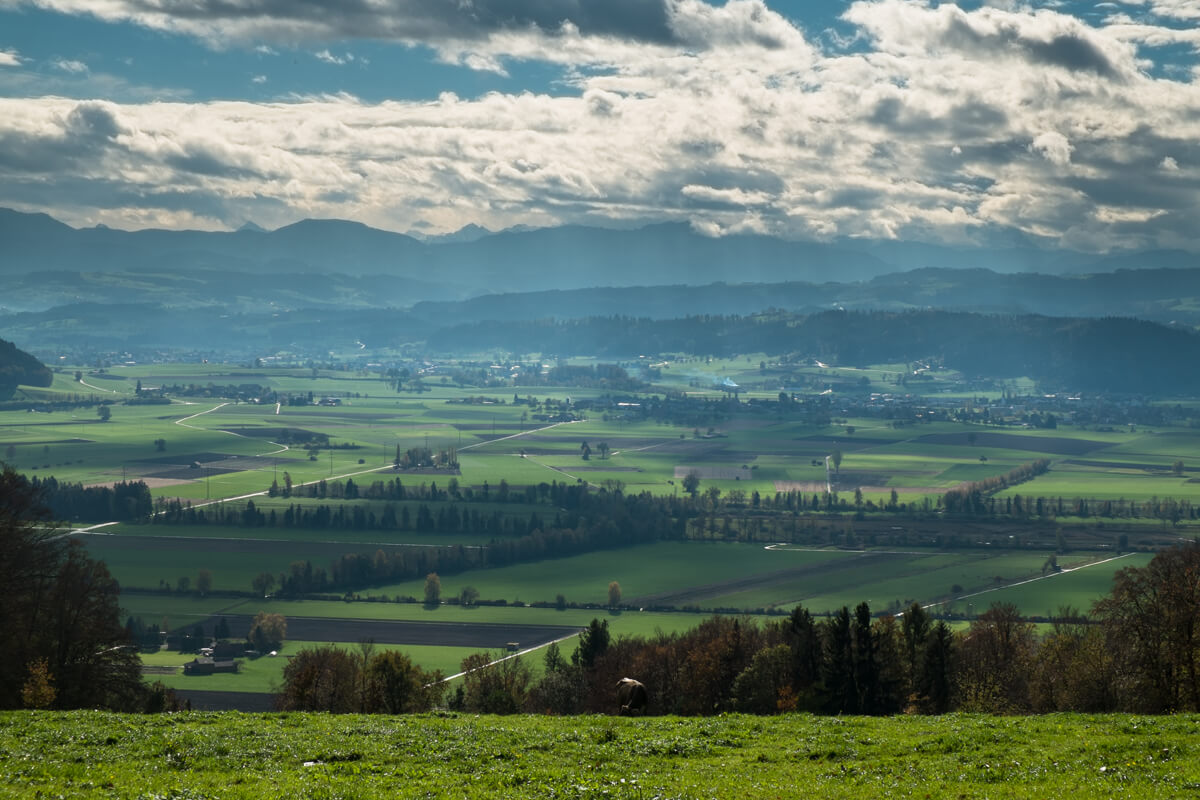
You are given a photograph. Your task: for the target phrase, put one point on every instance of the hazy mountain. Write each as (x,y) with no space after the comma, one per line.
(474,261)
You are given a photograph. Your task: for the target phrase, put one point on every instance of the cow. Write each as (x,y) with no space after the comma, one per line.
(632,696)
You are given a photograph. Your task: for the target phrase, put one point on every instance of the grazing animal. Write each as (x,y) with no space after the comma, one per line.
(632,696)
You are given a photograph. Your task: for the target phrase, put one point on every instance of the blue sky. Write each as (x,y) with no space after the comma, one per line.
(1070,124)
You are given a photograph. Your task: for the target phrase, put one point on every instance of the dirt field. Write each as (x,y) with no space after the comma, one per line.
(227,701)
(485,636)
(714,473)
(153,483)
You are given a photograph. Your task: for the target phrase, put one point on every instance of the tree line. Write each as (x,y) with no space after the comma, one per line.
(1139,651)
(125,500)
(1108,354)
(61,642)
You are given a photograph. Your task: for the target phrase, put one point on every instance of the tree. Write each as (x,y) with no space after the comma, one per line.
(995,661)
(320,679)
(614,594)
(433,589)
(603,448)
(204,582)
(593,642)
(61,608)
(499,687)
(38,691)
(1152,626)
(586,451)
(104,413)
(263,583)
(160,445)
(691,482)
(267,631)
(762,687)
(397,686)
(468,596)
(836,458)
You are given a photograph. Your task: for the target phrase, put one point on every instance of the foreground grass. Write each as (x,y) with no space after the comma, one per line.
(203,755)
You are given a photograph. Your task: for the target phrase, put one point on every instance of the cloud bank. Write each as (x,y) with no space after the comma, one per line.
(939,124)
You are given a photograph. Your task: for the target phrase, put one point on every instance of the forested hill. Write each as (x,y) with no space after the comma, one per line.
(1110,354)
(18,367)
(1162,295)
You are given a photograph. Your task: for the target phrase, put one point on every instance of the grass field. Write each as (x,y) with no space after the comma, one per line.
(921,460)
(193,755)
(265,674)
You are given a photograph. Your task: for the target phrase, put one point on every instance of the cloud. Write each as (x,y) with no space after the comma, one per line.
(992,34)
(70,65)
(258,79)
(397,20)
(9,58)
(1052,146)
(330,58)
(938,124)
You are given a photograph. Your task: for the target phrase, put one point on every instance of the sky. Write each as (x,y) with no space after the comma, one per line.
(1063,124)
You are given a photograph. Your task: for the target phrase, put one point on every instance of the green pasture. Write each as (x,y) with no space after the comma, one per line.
(1069,484)
(1078,588)
(234,559)
(75,446)
(202,754)
(927,579)
(645,571)
(176,611)
(264,674)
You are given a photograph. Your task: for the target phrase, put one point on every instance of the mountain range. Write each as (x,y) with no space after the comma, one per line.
(474,261)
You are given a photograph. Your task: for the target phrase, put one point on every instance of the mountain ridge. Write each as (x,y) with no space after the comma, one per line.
(517,260)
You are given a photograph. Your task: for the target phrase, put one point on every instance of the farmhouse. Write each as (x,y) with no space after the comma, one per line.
(205,665)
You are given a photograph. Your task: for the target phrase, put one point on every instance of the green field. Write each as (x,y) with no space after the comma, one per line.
(264,675)
(215,449)
(90,754)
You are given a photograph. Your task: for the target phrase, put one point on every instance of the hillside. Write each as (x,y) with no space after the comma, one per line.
(91,754)
(18,367)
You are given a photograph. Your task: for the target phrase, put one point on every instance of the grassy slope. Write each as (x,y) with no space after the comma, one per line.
(90,754)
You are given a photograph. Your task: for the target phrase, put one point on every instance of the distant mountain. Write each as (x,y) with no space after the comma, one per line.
(474,261)
(19,368)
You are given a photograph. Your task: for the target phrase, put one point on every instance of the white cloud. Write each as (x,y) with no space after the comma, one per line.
(330,58)
(940,124)
(9,58)
(1053,147)
(70,65)
(259,79)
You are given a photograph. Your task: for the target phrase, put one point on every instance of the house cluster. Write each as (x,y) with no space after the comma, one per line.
(218,658)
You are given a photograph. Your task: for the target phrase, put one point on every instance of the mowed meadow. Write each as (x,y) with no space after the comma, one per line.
(218,452)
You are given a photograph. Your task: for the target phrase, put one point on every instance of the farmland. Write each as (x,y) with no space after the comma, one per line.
(215,453)
(1064,755)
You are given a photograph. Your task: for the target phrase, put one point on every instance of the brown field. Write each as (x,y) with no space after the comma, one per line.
(153,483)
(711,473)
